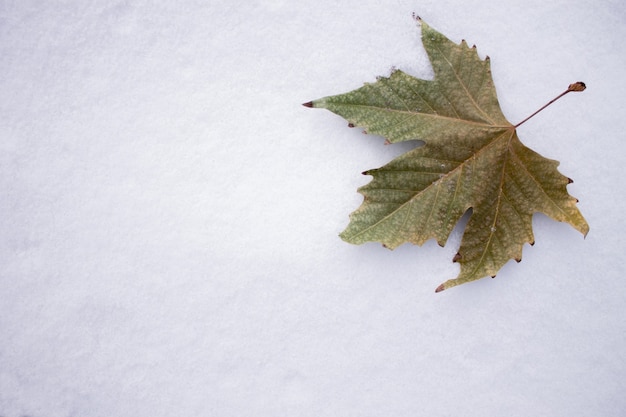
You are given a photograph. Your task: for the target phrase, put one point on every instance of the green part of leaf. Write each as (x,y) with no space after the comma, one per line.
(472,159)
(460,102)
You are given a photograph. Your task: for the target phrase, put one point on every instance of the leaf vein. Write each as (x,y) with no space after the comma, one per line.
(462,84)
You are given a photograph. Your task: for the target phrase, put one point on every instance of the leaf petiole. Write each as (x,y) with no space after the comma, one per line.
(577,86)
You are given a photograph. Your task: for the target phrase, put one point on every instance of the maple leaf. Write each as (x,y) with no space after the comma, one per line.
(472,159)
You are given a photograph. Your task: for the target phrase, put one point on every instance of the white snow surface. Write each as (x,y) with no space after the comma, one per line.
(169,215)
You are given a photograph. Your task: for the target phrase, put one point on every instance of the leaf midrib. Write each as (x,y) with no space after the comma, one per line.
(493,229)
(436,116)
(462,84)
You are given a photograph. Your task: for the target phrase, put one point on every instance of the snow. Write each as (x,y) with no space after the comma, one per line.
(169,216)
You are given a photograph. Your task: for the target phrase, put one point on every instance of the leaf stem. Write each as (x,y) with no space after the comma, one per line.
(577,86)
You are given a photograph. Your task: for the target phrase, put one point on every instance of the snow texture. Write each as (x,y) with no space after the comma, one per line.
(169,216)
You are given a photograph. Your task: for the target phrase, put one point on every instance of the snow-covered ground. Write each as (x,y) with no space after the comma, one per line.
(169,216)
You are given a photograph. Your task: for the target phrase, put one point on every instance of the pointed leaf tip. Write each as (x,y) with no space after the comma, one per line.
(440,288)
(308,104)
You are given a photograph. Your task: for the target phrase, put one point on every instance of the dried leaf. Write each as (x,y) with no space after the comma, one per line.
(472,159)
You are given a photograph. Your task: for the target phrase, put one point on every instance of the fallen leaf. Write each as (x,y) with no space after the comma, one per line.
(472,159)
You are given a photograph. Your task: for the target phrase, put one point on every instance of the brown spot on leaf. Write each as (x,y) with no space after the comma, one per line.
(569,180)
(308,104)
(457,257)
(350,124)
